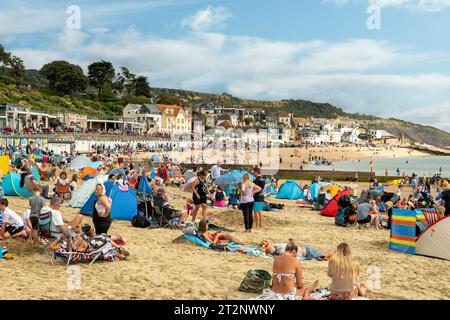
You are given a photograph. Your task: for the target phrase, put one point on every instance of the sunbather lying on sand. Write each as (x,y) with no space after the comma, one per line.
(218,237)
(304,251)
(74,239)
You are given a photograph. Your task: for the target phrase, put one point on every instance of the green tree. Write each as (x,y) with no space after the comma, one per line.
(11,64)
(64,77)
(100,73)
(141,87)
(106,93)
(166,98)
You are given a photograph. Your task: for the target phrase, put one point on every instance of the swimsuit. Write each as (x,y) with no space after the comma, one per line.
(291,294)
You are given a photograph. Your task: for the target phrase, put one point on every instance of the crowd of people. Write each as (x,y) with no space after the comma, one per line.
(75,235)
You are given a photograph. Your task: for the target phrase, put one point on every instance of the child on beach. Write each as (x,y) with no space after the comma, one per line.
(233,202)
(189,207)
(36,202)
(12,224)
(219,198)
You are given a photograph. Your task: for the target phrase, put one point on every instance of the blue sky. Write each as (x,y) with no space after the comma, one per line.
(319,50)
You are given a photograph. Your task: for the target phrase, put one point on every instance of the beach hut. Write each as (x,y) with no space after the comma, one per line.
(433,239)
(11,184)
(290,190)
(79,163)
(332,207)
(124,203)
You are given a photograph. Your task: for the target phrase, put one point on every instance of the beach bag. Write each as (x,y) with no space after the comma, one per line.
(256,281)
(140,222)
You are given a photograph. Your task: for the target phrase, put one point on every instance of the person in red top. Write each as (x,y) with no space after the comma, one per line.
(163,173)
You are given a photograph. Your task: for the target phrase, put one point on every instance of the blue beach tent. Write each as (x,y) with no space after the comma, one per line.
(232,180)
(290,190)
(124,203)
(11,184)
(155,158)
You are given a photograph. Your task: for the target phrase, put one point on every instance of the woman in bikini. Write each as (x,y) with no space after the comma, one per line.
(344,271)
(288,275)
(218,237)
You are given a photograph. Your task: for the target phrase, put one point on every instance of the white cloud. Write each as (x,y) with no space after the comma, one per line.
(21,17)
(205,19)
(359,75)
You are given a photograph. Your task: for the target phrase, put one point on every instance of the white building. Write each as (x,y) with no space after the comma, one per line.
(148,114)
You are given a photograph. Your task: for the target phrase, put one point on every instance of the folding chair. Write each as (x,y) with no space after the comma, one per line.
(161,214)
(45,232)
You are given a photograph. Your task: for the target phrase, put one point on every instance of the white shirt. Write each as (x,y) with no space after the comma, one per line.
(10,218)
(26,216)
(57,220)
(215,171)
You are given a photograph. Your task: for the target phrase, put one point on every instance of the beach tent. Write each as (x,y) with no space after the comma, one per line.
(232,180)
(374,194)
(95,165)
(269,189)
(11,184)
(363,197)
(84,192)
(290,190)
(116,172)
(315,188)
(433,241)
(333,189)
(332,207)
(153,173)
(79,163)
(124,203)
(88,172)
(155,158)
(188,174)
(4,165)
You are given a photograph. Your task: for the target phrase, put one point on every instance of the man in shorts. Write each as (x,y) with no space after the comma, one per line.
(258,206)
(368,213)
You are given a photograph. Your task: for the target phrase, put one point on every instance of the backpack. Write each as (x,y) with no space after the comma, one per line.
(140,222)
(344,201)
(256,281)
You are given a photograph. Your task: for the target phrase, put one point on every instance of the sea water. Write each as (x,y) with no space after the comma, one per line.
(421,166)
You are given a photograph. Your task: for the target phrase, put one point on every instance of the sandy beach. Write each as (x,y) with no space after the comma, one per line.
(161,269)
(292,158)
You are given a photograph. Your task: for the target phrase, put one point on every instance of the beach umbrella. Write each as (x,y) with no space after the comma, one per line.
(144,192)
